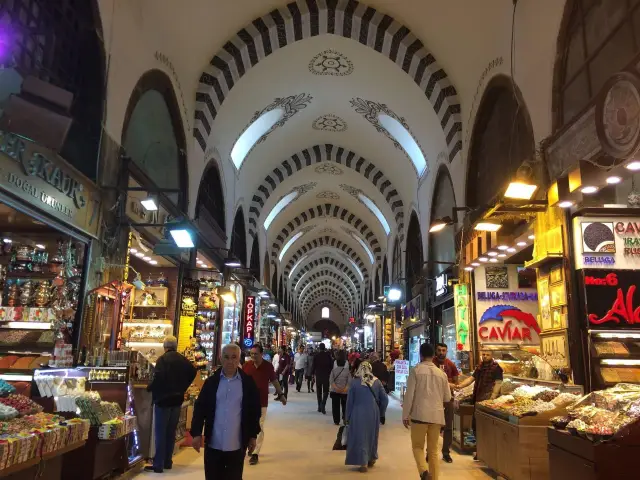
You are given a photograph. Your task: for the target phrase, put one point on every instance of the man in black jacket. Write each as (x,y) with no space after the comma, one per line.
(172,377)
(322,366)
(228,408)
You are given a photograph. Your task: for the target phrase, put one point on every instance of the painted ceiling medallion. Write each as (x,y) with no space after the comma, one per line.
(329,123)
(331,62)
(328,168)
(351,190)
(302,189)
(328,195)
(327,230)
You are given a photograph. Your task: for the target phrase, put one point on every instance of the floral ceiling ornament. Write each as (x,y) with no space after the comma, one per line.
(328,168)
(289,105)
(353,191)
(307,187)
(327,230)
(329,123)
(348,231)
(328,195)
(371,110)
(331,62)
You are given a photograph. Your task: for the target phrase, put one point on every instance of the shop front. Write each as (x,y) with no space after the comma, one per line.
(415,329)
(443,314)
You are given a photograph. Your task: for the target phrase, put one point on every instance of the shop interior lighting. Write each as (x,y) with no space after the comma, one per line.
(502,247)
(521,244)
(565,204)
(468,269)
(40,246)
(278,319)
(531,237)
(376,211)
(273,305)
(520,190)
(139,254)
(613,180)
(29,325)
(16,378)
(493,260)
(633,166)
(492,254)
(502,255)
(589,189)
(153,262)
(182,237)
(144,344)
(226,294)
(620,361)
(263,293)
(483,259)
(146,258)
(253,133)
(511,249)
(232,261)
(475,264)
(204,265)
(281,205)
(149,204)
(406,140)
(131,250)
(487,227)
(270,315)
(7,240)
(288,245)
(616,335)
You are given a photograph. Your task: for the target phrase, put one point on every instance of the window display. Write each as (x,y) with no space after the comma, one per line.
(231,317)
(207,322)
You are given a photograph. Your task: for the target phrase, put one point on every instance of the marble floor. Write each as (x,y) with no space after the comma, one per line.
(298,445)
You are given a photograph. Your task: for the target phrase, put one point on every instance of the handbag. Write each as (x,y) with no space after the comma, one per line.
(345,435)
(337,445)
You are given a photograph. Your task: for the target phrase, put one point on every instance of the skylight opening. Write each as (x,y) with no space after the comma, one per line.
(296,266)
(252,134)
(376,211)
(366,248)
(406,140)
(281,205)
(288,244)
(325,312)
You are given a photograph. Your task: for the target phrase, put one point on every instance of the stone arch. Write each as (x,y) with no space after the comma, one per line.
(254,261)
(239,237)
(322,274)
(442,245)
(330,210)
(328,283)
(494,157)
(326,269)
(325,153)
(210,202)
(309,18)
(155,143)
(414,257)
(321,302)
(327,261)
(328,326)
(325,291)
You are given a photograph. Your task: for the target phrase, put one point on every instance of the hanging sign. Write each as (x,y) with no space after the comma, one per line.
(249,321)
(441,285)
(611,299)
(505,316)
(461,304)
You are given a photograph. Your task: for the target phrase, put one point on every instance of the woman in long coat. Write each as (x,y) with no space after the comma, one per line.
(366,403)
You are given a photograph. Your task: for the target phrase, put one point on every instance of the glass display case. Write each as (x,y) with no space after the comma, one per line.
(147,324)
(231,318)
(206,324)
(615,357)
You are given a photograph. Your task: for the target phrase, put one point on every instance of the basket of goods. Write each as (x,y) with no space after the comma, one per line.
(24,405)
(6,388)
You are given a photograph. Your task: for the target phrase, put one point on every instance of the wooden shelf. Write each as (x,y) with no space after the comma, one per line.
(44,275)
(19,466)
(62,451)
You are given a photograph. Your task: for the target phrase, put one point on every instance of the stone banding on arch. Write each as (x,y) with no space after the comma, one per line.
(330,283)
(327,288)
(328,302)
(318,154)
(330,210)
(324,271)
(327,241)
(328,274)
(317,262)
(304,19)
(325,292)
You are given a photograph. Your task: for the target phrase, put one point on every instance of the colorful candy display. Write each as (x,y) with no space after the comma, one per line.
(24,405)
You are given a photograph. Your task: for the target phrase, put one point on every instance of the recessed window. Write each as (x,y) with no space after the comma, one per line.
(252,134)
(325,312)
(288,244)
(281,205)
(406,140)
(376,211)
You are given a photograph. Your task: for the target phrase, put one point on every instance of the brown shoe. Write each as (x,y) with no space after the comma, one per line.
(371,463)
(363,469)
(425,476)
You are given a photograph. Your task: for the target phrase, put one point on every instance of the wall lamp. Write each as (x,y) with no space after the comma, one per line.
(440,223)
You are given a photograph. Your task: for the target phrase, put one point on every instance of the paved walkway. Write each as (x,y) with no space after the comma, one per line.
(298,445)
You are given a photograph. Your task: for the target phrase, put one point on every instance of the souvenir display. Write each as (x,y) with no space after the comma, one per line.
(117,427)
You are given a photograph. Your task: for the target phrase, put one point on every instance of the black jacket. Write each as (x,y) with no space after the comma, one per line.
(172,377)
(204,410)
(380,370)
(322,364)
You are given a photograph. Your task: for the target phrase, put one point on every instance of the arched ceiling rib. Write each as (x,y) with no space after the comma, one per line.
(325,302)
(316,155)
(305,19)
(329,275)
(326,287)
(332,211)
(326,259)
(335,272)
(324,293)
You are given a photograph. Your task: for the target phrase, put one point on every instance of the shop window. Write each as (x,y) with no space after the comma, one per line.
(600,38)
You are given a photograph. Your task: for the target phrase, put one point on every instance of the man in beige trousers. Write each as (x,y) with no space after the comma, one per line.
(423,411)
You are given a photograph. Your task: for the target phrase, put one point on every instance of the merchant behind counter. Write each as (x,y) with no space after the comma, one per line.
(173,376)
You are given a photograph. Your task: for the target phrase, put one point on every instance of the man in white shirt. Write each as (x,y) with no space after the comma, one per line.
(423,411)
(300,360)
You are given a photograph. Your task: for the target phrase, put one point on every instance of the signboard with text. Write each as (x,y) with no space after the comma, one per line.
(611,298)
(248,330)
(401,373)
(611,243)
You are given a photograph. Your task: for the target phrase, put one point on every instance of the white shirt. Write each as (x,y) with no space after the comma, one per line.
(427,391)
(301,360)
(276,360)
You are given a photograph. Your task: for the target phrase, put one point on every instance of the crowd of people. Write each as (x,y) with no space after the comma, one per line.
(231,408)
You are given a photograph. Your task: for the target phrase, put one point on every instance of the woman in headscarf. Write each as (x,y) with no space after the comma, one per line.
(366,403)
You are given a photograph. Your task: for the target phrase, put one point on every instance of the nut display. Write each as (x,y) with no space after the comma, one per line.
(22,404)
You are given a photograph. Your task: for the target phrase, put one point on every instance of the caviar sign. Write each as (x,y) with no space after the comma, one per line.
(608,243)
(249,321)
(611,299)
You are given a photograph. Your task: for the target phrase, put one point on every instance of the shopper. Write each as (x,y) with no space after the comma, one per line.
(228,411)
(263,374)
(366,403)
(339,386)
(423,410)
(447,366)
(300,360)
(173,376)
(488,377)
(308,370)
(284,367)
(379,369)
(322,366)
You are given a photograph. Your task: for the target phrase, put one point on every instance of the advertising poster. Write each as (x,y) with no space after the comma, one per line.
(607,242)
(402,373)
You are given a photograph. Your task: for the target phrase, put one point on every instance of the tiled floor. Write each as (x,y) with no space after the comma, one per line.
(298,445)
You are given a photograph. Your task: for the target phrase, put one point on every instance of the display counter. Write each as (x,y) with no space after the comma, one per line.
(463,441)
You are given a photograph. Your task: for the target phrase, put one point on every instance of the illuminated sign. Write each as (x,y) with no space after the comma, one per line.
(461,304)
(509,296)
(599,260)
(508,331)
(441,285)
(249,321)
(610,298)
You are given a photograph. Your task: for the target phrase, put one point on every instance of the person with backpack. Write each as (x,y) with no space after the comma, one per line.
(338,387)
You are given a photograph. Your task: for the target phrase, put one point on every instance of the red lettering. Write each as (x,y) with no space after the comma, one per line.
(526,334)
(610,280)
(622,309)
(494,334)
(619,227)
(516,334)
(483,333)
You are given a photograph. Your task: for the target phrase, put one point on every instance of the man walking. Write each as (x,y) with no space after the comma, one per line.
(300,361)
(447,366)
(308,370)
(423,410)
(322,366)
(228,410)
(283,370)
(172,377)
(263,374)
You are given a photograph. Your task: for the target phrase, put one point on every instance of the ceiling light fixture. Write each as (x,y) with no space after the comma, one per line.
(521,244)
(492,254)
(502,255)
(503,247)
(139,254)
(613,180)
(272,305)
(511,249)
(232,261)
(520,191)
(228,295)
(493,260)
(468,269)
(40,246)
(633,166)
(589,189)
(487,227)
(182,237)
(149,204)
(132,250)
(531,237)
(146,258)
(565,204)
(475,264)
(153,262)
(7,240)
(483,259)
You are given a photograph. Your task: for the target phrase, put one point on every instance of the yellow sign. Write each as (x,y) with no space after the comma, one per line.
(41,178)
(185,332)
(461,304)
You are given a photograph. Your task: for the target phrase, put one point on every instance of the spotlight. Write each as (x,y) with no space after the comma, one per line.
(521,244)
(613,180)
(589,189)
(633,166)
(149,204)
(567,203)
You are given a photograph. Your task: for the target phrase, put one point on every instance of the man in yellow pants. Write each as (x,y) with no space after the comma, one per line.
(423,411)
